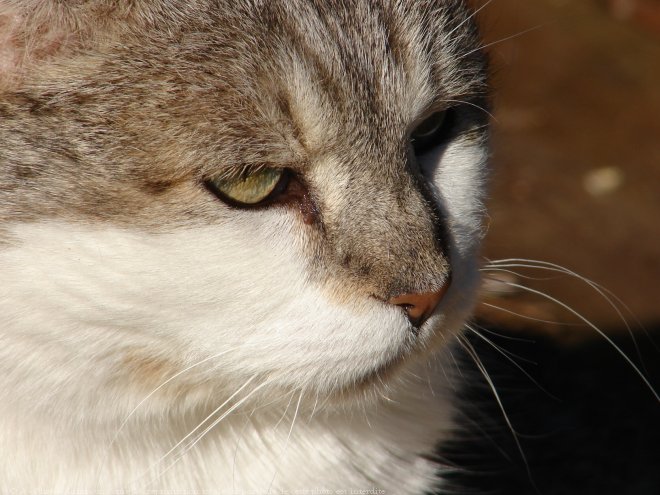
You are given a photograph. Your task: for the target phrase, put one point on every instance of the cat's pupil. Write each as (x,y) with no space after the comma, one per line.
(432,132)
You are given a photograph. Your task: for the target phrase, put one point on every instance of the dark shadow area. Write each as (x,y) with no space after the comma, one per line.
(588,426)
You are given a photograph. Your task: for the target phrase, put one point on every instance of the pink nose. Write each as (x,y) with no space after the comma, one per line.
(419,307)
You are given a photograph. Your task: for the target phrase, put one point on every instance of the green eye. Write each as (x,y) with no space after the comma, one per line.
(250,188)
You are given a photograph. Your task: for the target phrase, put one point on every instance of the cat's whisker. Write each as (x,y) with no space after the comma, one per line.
(481,426)
(527,317)
(456,365)
(543,265)
(506,265)
(366,414)
(145,399)
(469,348)
(478,328)
(201,423)
(502,40)
(428,378)
(238,444)
(518,274)
(291,393)
(316,402)
(286,410)
(508,356)
(288,437)
(474,105)
(413,374)
(605,293)
(295,416)
(274,400)
(595,328)
(199,437)
(506,337)
(468,19)
(325,401)
(449,378)
(385,388)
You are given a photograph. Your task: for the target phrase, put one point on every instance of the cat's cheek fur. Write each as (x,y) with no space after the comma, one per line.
(189,295)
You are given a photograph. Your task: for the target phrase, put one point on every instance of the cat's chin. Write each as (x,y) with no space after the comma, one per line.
(374,385)
(423,346)
(430,340)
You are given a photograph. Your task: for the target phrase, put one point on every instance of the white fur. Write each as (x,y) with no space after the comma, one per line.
(77,300)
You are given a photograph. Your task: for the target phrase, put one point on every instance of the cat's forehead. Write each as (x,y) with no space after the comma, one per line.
(323,72)
(332,64)
(360,57)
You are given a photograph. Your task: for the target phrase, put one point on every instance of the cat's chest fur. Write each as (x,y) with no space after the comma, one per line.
(275,451)
(234,237)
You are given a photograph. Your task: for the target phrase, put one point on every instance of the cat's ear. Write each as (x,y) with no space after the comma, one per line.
(35,31)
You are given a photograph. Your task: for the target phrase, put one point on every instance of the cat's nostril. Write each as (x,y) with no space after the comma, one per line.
(419,307)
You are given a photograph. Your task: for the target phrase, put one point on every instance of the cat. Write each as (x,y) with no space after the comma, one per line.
(236,240)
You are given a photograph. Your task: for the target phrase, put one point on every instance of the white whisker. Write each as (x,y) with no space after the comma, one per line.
(146,398)
(316,402)
(487,45)
(468,19)
(531,318)
(594,327)
(478,107)
(199,425)
(286,410)
(295,415)
(506,337)
(286,443)
(477,361)
(507,355)
(238,443)
(199,437)
(605,293)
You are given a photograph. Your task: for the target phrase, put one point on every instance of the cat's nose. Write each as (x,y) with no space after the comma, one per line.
(420,306)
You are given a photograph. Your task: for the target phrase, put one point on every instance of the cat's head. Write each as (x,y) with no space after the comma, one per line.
(293,186)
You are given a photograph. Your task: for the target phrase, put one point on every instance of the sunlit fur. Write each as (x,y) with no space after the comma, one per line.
(152,337)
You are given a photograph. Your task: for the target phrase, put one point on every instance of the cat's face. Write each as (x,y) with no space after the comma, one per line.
(119,228)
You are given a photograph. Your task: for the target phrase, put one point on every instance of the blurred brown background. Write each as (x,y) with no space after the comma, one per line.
(576,157)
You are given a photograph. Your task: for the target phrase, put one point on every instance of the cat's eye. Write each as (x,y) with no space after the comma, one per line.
(250,187)
(432,131)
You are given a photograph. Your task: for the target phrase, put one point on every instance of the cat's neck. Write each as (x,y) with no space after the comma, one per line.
(385,439)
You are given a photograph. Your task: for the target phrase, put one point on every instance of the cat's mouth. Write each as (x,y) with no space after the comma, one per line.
(418,309)
(388,371)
